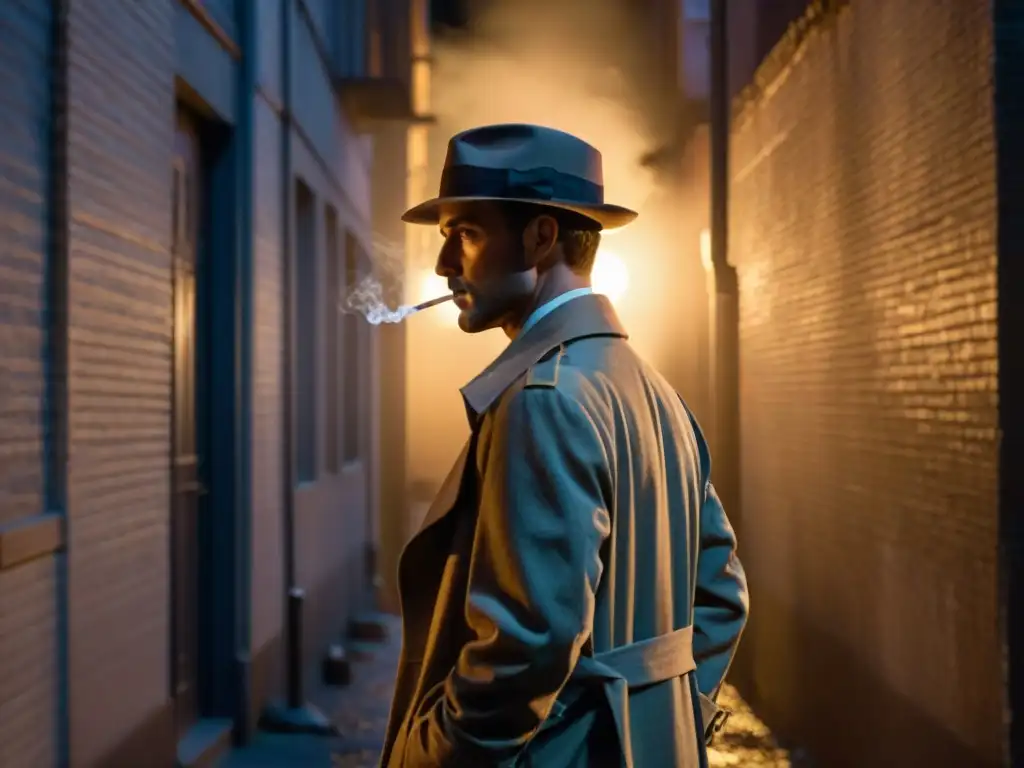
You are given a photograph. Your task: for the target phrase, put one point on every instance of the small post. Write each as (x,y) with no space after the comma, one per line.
(296,602)
(295,715)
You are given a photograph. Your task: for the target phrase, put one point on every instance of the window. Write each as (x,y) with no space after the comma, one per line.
(374,41)
(332,321)
(352,358)
(305,336)
(358,44)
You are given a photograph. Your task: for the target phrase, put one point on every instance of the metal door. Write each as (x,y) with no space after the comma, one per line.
(186,480)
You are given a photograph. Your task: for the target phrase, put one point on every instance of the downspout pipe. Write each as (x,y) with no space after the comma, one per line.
(58,290)
(288,280)
(722,283)
(244,158)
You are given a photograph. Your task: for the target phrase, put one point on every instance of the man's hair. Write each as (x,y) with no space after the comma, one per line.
(579,235)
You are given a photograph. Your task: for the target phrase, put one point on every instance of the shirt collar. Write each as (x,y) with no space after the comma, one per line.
(590,315)
(548,307)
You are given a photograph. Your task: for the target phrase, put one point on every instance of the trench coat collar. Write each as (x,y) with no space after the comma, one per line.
(590,315)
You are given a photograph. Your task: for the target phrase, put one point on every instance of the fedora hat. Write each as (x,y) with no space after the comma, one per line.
(526,164)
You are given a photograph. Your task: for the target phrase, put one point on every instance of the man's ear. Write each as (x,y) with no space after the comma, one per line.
(540,238)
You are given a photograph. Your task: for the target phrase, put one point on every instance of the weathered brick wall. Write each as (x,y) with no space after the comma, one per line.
(28,592)
(863,225)
(24,207)
(120,145)
(29,677)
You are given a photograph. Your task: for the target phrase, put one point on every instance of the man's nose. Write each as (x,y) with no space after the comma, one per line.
(448,262)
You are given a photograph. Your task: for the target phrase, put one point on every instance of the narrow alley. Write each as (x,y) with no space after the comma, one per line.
(233,376)
(360,713)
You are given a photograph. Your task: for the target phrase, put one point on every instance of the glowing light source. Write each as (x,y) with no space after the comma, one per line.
(610,275)
(705,249)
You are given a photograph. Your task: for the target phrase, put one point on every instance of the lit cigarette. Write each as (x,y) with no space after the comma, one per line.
(433,302)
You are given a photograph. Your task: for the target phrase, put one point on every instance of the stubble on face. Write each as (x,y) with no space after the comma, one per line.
(484,262)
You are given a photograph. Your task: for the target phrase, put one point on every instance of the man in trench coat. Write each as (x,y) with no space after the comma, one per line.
(573,597)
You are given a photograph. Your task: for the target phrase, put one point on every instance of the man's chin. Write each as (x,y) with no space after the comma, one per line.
(474,322)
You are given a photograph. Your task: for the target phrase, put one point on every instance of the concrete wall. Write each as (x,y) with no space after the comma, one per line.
(689,368)
(862,223)
(330,513)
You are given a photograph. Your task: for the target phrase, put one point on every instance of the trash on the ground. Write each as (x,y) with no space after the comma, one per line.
(361,711)
(746,741)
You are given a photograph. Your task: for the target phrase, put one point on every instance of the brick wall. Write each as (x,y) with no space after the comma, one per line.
(29,676)
(121,120)
(28,656)
(863,225)
(24,158)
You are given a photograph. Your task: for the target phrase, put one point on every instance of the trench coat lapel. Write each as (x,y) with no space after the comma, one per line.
(590,315)
(449,492)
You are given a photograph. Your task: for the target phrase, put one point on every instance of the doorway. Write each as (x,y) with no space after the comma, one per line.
(188,480)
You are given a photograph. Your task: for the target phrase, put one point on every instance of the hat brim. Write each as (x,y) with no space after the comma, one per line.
(606,215)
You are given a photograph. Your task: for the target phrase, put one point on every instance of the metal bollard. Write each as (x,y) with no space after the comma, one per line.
(296,601)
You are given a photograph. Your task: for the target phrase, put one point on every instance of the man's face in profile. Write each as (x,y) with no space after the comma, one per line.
(484,262)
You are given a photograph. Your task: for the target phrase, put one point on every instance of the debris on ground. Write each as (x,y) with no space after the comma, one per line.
(361,710)
(746,741)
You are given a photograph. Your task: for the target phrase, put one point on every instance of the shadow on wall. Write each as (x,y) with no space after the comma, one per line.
(875,719)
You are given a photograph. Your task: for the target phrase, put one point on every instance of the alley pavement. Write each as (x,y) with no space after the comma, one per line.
(360,711)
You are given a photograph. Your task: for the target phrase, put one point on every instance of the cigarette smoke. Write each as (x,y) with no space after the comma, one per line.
(584,66)
(380,285)
(581,66)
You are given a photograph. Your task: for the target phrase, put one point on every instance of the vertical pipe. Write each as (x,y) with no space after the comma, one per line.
(293,638)
(724,298)
(288,282)
(719,139)
(244,159)
(57,351)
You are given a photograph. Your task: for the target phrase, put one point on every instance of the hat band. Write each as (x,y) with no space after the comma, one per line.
(539,184)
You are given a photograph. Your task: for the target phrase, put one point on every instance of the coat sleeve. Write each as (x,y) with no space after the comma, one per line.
(533,575)
(721,602)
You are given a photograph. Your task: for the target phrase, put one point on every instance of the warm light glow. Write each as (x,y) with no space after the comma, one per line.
(610,275)
(431,285)
(705,249)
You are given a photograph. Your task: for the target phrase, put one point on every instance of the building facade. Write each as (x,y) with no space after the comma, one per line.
(186,419)
(866,228)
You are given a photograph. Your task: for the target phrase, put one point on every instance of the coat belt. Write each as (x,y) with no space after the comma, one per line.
(636,665)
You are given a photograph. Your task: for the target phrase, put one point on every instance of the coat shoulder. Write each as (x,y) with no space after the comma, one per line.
(588,370)
(544,374)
